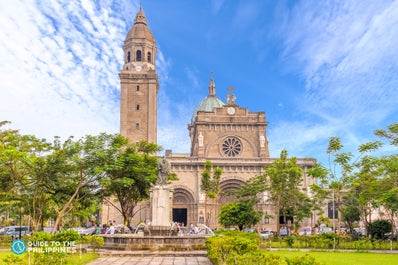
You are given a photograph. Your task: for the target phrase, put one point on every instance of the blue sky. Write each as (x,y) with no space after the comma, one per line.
(317,68)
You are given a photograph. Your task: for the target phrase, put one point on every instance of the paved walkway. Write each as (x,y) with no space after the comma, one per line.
(144,257)
(151,261)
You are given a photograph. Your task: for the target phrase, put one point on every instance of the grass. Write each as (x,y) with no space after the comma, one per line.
(74,259)
(345,258)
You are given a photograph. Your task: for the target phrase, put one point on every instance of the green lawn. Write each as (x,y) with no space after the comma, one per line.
(345,258)
(74,259)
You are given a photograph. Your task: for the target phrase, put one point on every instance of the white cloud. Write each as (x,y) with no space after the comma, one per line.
(346,53)
(59,67)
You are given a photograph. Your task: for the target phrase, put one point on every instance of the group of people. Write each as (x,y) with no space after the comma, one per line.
(193,229)
(106,228)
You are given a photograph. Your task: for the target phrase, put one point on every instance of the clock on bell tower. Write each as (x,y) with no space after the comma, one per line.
(139,84)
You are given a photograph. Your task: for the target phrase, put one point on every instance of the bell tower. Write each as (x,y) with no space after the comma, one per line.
(139,84)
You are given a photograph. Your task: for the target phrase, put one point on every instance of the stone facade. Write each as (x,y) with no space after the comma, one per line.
(230,136)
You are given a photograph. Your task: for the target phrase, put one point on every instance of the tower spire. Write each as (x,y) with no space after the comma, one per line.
(212,86)
(140,17)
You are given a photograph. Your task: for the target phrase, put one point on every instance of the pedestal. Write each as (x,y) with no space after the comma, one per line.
(161,205)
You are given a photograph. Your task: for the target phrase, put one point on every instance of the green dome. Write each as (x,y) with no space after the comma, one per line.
(209,103)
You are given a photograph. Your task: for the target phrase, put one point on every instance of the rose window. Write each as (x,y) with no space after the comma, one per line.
(231,147)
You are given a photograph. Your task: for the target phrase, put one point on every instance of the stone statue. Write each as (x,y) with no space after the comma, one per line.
(262,140)
(200,139)
(164,170)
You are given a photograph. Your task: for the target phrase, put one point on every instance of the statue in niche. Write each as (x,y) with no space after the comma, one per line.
(200,139)
(164,169)
(262,140)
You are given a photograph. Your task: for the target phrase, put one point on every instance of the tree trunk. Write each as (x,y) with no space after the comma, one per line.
(65,208)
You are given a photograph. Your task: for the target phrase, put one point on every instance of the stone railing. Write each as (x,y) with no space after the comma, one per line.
(133,242)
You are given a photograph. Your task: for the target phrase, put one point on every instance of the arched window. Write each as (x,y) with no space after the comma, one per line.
(128,57)
(137,126)
(149,57)
(138,56)
(138,88)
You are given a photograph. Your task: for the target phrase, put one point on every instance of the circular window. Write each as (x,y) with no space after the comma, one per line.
(231,147)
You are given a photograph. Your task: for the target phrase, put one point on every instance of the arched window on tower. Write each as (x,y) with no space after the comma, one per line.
(149,57)
(138,56)
(128,57)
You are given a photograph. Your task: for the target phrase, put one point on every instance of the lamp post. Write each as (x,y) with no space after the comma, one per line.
(333,210)
(334,226)
(20,222)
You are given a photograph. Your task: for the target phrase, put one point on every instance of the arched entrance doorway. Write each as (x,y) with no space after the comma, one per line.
(184,206)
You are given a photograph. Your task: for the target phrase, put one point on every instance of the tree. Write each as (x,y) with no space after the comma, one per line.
(210,185)
(240,213)
(80,169)
(284,180)
(20,160)
(364,187)
(389,200)
(130,175)
(378,229)
(350,215)
(346,173)
(389,170)
(391,134)
(324,220)
(318,192)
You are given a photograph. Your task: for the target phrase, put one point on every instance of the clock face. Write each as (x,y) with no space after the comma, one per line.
(231,110)
(138,68)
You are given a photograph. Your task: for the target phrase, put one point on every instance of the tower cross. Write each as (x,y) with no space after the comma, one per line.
(230,97)
(230,89)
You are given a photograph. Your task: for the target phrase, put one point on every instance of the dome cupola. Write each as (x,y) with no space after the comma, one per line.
(210,102)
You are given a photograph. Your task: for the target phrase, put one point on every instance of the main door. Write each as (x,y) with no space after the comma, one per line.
(180,215)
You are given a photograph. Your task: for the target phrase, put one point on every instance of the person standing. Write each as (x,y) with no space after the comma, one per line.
(111,229)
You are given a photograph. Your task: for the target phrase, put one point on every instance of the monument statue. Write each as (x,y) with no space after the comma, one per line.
(161,197)
(164,170)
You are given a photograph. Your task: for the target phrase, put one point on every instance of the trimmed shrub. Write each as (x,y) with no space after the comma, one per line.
(303,260)
(95,242)
(13,260)
(257,258)
(231,243)
(67,235)
(41,236)
(289,240)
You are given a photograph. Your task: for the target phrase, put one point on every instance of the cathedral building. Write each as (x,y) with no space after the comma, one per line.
(230,136)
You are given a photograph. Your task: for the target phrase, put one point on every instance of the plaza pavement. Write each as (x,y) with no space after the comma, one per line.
(151,261)
(151,258)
